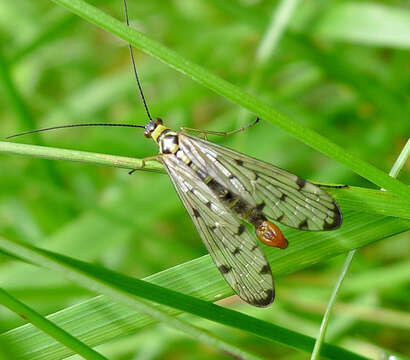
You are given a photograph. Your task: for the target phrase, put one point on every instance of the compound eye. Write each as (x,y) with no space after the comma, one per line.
(149,129)
(151,126)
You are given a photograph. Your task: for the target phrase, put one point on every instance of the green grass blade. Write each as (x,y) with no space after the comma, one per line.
(401,160)
(325,321)
(236,95)
(22,112)
(201,279)
(17,103)
(279,21)
(48,327)
(379,278)
(326,317)
(353,198)
(367,23)
(370,201)
(359,308)
(94,278)
(77,156)
(50,34)
(129,291)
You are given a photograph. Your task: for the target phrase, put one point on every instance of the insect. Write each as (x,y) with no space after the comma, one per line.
(222,189)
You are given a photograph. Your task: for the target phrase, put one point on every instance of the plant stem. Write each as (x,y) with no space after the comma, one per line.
(270,39)
(78,156)
(48,327)
(353,198)
(235,94)
(139,294)
(277,26)
(325,321)
(401,160)
(23,114)
(398,164)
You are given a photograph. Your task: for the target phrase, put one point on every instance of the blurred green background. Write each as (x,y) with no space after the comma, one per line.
(341,68)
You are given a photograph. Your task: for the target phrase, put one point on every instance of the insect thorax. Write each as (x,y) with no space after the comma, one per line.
(167,140)
(168,143)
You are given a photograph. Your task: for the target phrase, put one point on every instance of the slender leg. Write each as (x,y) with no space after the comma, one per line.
(333,186)
(220,133)
(155,157)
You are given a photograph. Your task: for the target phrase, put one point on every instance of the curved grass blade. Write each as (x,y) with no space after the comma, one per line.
(78,156)
(129,291)
(236,95)
(374,24)
(353,198)
(94,279)
(89,321)
(48,327)
(326,317)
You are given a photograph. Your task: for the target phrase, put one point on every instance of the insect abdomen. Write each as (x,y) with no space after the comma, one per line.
(230,199)
(270,234)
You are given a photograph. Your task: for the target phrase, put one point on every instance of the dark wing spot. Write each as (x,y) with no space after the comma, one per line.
(224,269)
(260,206)
(241,229)
(283,197)
(209,204)
(280,218)
(270,296)
(265,270)
(226,195)
(301,182)
(196,213)
(337,219)
(239,162)
(254,247)
(303,225)
(236,251)
(239,207)
(231,177)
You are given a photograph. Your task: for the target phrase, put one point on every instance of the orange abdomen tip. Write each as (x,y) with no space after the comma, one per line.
(270,234)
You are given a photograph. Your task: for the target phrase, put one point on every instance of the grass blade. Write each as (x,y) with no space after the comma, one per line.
(78,156)
(325,321)
(279,21)
(326,317)
(367,23)
(128,291)
(353,198)
(200,278)
(236,95)
(48,327)
(401,160)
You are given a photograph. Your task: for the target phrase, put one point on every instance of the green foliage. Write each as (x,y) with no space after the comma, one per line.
(338,69)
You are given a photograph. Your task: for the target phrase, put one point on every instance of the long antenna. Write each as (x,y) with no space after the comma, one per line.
(133,64)
(71,126)
(101,124)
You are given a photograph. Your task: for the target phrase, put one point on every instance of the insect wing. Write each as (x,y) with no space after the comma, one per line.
(233,249)
(282,196)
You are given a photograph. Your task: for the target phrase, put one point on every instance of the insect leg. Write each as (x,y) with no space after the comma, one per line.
(221,133)
(155,157)
(332,186)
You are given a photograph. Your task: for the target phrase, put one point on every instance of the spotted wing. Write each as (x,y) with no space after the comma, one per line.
(231,246)
(280,195)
